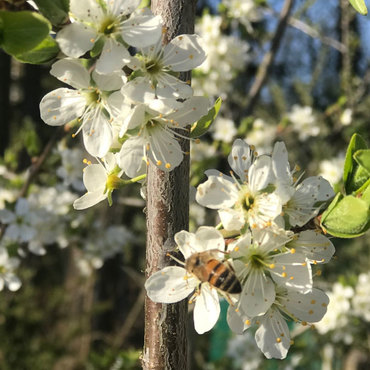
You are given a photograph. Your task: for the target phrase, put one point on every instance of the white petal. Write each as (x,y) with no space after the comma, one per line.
(292,271)
(112,58)
(76,39)
(123,7)
(142,30)
(95,178)
(139,90)
(191,110)
(258,294)
(231,219)
(270,239)
(88,10)
(309,307)
(135,119)
(184,53)
(109,81)
(164,151)
(13,282)
(282,171)
(237,320)
(217,193)
(6,216)
(207,238)
(71,72)
(187,243)
(35,247)
(206,309)
(26,233)
(89,200)
(240,158)
(170,285)
(61,106)
(315,246)
(260,173)
(97,134)
(131,156)
(171,87)
(272,337)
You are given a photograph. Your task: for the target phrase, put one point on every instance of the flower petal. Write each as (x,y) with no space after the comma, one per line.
(240,158)
(88,200)
(237,320)
(309,307)
(170,285)
(95,178)
(61,106)
(71,72)
(97,134)
(206,309)
(207,238)
(315,246)
(260,173)
(292,271)
(109,81)
(258,294)
(76,39)
(272,336)
(184,53)
(131,157)
(142,30)
(112,58)
(13,282)
(231,219)
(217,193)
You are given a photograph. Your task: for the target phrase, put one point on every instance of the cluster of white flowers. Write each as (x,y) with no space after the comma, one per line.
(245,11)
(264,271)
(303,122)
(226,55)
(347,305)
(138,114)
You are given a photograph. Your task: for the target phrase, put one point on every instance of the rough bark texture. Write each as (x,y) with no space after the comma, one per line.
(165,344)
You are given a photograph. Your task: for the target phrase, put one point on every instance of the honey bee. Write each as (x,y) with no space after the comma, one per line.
(207,267)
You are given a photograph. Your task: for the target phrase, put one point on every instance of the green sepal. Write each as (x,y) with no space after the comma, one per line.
(54,10)
(366,194)
(200,127)
(359,6)
(44,52)
(97,48)
(346,216)
(22,31)
(352,176)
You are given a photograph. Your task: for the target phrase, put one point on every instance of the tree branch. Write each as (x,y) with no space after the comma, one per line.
(269,57)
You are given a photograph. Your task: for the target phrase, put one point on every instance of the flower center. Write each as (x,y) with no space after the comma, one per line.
(108,26)
(93,97)
(152,67)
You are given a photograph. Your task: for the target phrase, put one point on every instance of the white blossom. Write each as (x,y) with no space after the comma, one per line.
(7,267)
(91,104)
(173,283)
(223,129)
(332,169)
(95,24)
(157,64)
(361,298)
(303,121)
(247,201)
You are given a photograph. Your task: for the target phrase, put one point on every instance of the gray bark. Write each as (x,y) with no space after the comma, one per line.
(165,344)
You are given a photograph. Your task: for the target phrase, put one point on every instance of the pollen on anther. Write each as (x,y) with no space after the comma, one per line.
(191,56)
(236,249)
(159,163)
(278,340)
(283,274)
(197,141)
(310,312)
(92,40)
(247,322)
(54,117)
(313,301)
(73,135)
(292,250)
(272,265)
(168,165)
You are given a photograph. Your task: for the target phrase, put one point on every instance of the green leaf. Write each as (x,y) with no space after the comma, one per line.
(366,194)
(351,166)
(44,52)
(200,127)
(22,31)
(97,48)
(362,157)
(360,6)
(346,217)
(54,10)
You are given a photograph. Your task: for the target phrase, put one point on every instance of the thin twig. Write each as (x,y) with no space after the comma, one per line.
(35,167)
(269,57)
